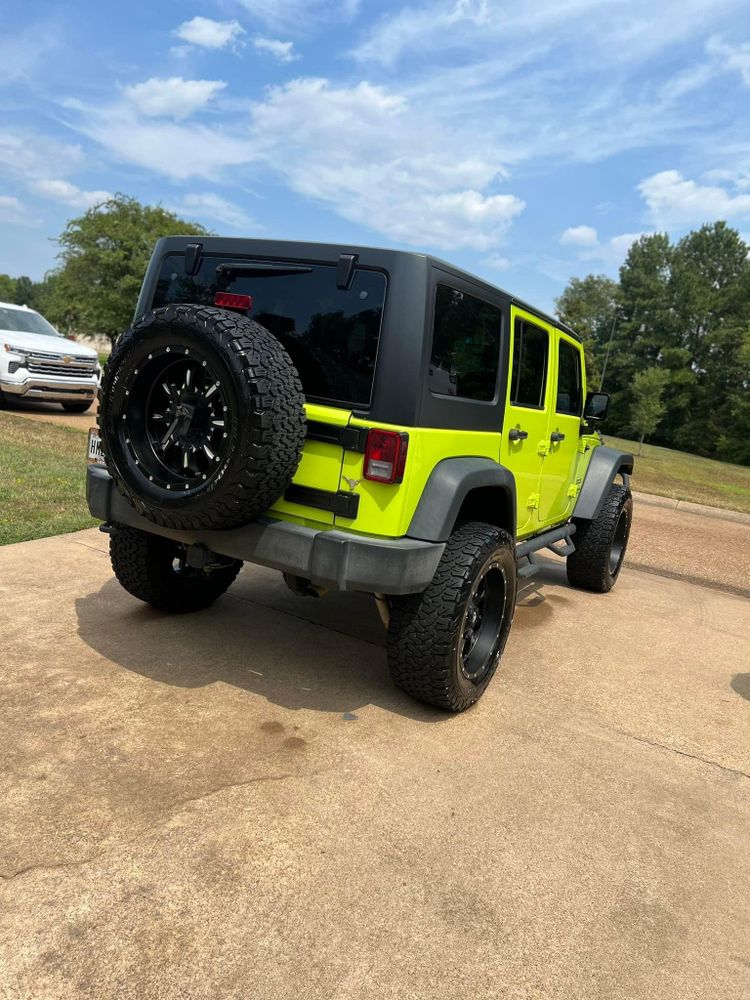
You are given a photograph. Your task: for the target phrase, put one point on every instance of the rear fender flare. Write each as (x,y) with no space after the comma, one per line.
(450,483)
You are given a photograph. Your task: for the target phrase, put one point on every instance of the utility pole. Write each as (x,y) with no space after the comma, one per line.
(609,345)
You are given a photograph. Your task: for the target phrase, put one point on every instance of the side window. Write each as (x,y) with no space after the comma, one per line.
(465,345)
(569,380)
(529,377)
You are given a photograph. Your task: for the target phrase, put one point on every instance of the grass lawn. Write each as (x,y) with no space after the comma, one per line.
(42,479)
(682,476)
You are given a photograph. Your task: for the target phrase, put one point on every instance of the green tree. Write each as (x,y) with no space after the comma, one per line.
(25,293)
(685,309)
(103,259)
(646,327)
(647,406)
(710,288)
(590,306)
(7,288)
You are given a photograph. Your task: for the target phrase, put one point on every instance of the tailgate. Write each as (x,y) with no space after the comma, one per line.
(314,493)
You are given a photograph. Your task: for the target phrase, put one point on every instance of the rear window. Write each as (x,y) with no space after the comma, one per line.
(331,333)
(529,376)
(465,345)
(569,390)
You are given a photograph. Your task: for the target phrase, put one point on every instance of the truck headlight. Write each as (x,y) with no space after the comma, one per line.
(20,354)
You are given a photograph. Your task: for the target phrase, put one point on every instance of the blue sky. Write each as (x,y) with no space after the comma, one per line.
(525,142)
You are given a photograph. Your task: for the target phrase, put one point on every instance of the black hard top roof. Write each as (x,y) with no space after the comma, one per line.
(331,251)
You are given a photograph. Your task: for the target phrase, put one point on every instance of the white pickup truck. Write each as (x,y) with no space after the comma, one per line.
(38,363)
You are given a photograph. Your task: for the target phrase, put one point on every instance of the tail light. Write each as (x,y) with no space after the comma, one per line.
(385,456)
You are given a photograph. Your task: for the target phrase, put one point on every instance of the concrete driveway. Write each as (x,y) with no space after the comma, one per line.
(237,804)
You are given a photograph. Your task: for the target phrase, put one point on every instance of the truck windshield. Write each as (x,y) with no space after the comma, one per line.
(26,321)
(331,333)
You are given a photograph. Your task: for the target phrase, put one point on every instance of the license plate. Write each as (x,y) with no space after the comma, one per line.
(95,456)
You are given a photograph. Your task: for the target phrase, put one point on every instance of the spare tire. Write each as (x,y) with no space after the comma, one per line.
(201,415)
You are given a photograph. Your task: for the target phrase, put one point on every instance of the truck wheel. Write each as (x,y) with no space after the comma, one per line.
(154,570)
(201,416)
(444,644)
(600,544)
(77,407)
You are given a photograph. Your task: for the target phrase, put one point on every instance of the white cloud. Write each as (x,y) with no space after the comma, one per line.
(22,53)
(69,194)
(674,201)
(212,207)
(365,152)
(178,151)
(172,97)
(609,253)
(496,262)
(14,213)
(731,57)
(637,30)
(29,155)
(209,34)
(300,16)
(580,236)
(439,24)
(283,51)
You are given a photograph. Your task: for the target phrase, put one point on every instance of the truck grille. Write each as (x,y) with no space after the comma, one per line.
(76,366)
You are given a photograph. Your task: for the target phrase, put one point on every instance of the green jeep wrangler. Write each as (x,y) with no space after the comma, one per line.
(362,419)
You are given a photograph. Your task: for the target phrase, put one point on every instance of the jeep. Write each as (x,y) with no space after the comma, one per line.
(359,419)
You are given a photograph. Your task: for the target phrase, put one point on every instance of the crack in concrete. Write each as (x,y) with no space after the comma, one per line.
(681,753)
(173,809)
(607,728)
(86,545)
(697,581)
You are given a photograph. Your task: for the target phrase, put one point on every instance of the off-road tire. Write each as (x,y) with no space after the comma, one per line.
(144,564)
(76,407)
(425,631)
(600,544)
(265,420)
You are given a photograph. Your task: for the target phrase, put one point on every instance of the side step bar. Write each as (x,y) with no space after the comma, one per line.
(547,540)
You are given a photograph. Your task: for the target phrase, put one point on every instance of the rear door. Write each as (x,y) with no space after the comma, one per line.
(524,440)
(558,487)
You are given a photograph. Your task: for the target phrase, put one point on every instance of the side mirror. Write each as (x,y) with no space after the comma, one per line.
(597,404)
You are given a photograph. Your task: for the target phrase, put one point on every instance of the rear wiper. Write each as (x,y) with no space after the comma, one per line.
(260,270)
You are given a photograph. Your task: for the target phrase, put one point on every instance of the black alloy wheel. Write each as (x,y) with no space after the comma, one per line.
(481,635)
(177,422)
(619,542)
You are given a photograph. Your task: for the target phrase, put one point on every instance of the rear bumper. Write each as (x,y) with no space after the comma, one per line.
(48,388)
(329,558)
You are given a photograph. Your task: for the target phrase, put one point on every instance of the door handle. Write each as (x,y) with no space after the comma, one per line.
(516,434)
(556,436)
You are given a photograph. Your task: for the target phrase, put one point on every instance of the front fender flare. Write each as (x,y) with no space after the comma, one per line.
(605,465)
(449,484)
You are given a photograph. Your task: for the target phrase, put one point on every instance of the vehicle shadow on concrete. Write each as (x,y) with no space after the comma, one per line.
(327,654)
(740,684)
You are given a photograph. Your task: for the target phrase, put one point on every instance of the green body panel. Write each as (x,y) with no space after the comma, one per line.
(548,474)
(388,510)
